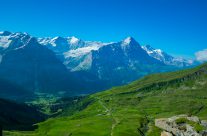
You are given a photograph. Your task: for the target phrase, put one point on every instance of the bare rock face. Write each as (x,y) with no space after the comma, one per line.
(165,124)
(164,133)
(194,119)
(182,125)
(204,123)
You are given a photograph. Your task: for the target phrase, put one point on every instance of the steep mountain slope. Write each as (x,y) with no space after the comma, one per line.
(11,91)
(130,110)
(18,116)
(115,63)
(34,67)
(122,62)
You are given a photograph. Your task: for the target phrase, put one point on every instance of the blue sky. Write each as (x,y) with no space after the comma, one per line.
(179,27)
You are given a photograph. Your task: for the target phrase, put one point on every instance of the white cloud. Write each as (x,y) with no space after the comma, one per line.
(201,55)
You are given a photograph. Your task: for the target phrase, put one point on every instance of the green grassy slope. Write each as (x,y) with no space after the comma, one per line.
(130,110)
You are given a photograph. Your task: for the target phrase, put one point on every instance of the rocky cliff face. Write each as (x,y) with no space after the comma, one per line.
(182,125)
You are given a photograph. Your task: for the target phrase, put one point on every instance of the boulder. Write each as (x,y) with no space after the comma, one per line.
(204,123)
(171,127)
(194,119)
(164,133)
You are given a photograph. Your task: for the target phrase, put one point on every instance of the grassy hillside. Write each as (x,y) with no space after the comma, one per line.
(130,110)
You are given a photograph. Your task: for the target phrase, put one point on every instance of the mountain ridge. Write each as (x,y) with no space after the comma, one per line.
(72,66)
(166,58)
(66,43)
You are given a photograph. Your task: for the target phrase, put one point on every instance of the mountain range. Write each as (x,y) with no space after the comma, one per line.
(71,66)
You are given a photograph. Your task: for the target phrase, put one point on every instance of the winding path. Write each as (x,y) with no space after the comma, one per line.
(115,120)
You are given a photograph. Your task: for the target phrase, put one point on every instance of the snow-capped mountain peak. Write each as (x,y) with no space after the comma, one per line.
(18,38)
(150,50)
(128,41)
(61,44)
(5,33)
(166,58)
(4,40)
(74,40)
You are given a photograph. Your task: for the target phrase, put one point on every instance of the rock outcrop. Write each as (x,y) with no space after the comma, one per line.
(182,125)
(164,133)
